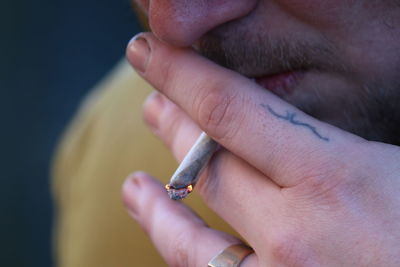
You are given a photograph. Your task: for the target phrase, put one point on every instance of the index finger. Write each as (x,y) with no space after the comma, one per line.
(273,136)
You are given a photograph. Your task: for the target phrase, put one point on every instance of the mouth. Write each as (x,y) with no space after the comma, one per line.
(281,84)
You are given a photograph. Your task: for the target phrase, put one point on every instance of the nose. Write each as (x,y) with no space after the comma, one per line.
(182,22)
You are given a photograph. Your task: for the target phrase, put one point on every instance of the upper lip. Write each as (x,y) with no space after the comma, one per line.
(254,73)
(250,68)
(261,74)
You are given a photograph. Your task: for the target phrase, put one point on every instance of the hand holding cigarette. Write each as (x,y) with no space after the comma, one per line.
(299,191)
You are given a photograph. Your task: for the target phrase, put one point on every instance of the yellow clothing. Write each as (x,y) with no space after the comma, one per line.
(105,143)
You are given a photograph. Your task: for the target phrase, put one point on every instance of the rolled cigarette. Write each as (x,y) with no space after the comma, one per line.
(188,172)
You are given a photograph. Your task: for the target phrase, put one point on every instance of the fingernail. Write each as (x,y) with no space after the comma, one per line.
(138,54)
(131,194)
(153,107)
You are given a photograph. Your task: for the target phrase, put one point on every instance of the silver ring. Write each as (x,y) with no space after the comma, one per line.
(232,256)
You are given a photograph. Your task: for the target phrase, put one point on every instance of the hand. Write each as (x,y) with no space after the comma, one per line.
(299,191)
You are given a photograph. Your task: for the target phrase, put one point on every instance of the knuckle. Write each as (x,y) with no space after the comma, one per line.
(329,185)
(219,112)
(323,189)
(287,249)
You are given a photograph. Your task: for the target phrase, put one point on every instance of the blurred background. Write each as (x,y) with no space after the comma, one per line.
(52,54)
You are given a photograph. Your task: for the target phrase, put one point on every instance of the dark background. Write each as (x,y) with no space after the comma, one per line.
(52,53)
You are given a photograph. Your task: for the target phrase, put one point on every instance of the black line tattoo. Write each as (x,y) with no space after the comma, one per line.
(290,117)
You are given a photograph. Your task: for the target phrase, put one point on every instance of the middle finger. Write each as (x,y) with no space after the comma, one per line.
(229,186)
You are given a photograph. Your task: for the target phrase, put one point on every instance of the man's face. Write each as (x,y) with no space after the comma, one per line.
(338,60)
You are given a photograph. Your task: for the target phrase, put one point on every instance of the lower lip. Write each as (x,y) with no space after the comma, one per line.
(281,84)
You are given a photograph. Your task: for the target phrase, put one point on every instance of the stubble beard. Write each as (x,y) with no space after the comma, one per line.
(370,110)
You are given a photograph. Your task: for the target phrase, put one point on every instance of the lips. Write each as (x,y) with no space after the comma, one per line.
(281,84)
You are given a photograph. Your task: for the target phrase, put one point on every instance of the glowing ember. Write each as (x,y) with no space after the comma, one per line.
(180,193)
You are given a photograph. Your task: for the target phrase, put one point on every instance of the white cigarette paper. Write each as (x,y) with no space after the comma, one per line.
(188,172)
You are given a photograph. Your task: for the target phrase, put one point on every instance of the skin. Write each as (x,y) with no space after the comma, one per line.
(311,187)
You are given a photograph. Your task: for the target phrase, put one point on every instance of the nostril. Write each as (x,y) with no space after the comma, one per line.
(177,24)
(183,22)
(176,35)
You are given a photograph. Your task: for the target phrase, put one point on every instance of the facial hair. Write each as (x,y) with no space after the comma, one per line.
(370,110)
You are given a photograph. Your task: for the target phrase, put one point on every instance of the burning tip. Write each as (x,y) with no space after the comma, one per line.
(177,194)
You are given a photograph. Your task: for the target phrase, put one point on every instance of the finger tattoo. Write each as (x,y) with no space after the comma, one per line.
(290,117)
